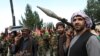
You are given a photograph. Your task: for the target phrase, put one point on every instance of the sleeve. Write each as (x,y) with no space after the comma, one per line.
(13,46)
(93,46)
(34,47)
(14,49)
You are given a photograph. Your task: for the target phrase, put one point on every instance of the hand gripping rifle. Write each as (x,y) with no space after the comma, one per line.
(52,14)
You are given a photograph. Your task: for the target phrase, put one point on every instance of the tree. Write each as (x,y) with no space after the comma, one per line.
(93,10)
(31,19)
(49,25)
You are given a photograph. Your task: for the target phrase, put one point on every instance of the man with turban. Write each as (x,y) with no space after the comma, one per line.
(84,43)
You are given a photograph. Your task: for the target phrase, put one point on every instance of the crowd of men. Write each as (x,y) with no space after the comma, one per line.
(79,40)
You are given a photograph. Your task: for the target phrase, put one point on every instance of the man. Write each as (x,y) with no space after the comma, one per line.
(84,43)
(60,28)
(25,45)
(98,31)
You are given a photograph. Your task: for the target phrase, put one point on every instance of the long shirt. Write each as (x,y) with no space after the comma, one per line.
(92,45)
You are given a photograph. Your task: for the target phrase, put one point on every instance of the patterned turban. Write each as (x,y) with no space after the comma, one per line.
(88,20)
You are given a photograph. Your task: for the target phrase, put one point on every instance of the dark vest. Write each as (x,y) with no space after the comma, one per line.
(79,47)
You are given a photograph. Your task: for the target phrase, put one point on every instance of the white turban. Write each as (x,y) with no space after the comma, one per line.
(88,20)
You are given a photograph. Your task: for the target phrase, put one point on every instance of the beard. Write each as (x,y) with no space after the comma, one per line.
(61,32)
(79,28)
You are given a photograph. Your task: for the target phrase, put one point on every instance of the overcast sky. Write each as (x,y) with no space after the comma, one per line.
(63,8)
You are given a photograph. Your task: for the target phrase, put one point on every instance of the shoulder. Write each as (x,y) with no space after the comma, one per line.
(93,40)
(93,46)
(33,40)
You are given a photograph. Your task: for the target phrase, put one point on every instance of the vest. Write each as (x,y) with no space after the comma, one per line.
(79,47)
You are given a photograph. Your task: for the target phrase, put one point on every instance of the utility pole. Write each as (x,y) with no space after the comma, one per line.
(12,11)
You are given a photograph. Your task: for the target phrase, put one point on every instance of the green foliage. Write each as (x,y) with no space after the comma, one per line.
(93,9)
(48,25)
(31,19)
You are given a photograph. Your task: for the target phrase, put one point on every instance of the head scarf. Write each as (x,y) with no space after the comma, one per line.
(88,20)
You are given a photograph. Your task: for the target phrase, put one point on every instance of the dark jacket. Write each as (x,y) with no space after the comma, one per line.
(28,44)
(61,40)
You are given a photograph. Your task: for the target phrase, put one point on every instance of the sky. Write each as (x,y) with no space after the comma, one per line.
(63,8)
